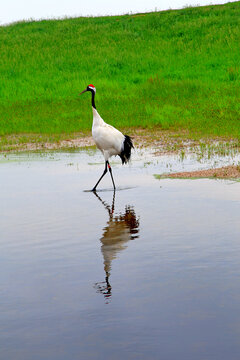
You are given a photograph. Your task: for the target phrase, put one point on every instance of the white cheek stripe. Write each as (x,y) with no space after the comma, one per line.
(93,88)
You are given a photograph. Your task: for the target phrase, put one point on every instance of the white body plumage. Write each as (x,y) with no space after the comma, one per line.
(107,139)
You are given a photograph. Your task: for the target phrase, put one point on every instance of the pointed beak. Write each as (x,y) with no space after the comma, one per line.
(83,92)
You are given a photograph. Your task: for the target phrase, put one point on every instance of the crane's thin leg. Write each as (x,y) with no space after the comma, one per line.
(104,173)
(110,170)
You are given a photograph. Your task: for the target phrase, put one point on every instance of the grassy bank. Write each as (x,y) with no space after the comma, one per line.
(174,70)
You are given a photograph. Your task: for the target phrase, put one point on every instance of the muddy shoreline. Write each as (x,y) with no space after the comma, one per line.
(226,172)
(161,143)
(164,141)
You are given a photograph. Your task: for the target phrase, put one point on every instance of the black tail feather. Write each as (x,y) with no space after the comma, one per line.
(126,151)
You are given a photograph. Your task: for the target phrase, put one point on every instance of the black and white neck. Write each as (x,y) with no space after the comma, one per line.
(93,91)
(93,98)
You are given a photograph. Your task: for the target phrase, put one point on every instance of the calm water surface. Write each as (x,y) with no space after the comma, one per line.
(150,272)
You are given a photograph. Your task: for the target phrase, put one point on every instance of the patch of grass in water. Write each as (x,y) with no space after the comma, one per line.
(165,176)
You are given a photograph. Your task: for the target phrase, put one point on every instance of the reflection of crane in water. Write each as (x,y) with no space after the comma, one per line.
(119,230)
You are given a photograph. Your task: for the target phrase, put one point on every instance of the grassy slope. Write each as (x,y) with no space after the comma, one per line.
(173,69)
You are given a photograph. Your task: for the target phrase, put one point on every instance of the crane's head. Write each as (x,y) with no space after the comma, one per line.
(89,88)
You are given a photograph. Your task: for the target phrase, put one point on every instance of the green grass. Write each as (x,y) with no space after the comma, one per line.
(176,69)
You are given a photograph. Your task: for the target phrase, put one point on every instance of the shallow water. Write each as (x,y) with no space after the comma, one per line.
(150,272)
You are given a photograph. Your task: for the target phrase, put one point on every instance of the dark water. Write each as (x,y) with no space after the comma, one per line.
(150,272)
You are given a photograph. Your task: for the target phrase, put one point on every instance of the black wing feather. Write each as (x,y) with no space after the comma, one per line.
(126,151)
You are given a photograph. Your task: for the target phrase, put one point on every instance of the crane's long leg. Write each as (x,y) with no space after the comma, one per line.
(107,165)
(110,170)
(104,173)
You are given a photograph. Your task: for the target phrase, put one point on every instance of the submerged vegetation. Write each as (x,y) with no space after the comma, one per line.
(176,70)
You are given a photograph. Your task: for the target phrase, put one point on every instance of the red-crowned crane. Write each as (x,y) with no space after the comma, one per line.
(108,139)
